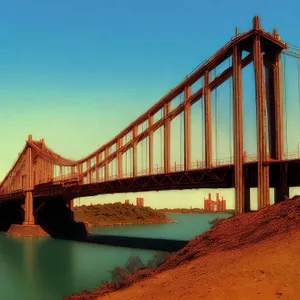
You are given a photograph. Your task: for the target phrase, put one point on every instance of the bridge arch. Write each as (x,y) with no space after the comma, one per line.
(11,212)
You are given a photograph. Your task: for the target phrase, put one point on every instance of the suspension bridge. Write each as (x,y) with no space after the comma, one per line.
(205,153)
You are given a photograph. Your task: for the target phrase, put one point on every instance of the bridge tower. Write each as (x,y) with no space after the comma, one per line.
(265,51)
(29,218)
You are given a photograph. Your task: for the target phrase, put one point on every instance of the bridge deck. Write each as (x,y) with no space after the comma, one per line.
(218,177)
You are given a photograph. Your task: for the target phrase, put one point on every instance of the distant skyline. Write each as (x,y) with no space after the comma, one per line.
(77,73)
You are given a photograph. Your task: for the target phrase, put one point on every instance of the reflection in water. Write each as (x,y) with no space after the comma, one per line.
(48,269)
(37,266)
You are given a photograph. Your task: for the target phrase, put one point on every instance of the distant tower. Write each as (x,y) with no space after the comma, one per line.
(127,201)
(218,202)
(140,202)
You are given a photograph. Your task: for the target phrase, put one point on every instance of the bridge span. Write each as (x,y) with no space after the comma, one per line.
(46,183)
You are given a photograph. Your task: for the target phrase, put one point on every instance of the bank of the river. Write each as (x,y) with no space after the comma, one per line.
(253,256)
(116,214)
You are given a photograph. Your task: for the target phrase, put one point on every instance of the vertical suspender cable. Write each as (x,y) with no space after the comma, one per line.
(203,124)
(161,141)
(130,157)
(181,124)
(126,155)
(298,59)
(230,115)
(141,151)
(147,143)
(285,102)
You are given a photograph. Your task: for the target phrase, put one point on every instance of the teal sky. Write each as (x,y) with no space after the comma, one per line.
(77,72)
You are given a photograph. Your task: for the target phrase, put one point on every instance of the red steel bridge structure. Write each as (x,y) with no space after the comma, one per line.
(39,174)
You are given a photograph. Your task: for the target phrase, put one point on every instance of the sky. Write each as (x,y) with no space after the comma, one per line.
(77,72)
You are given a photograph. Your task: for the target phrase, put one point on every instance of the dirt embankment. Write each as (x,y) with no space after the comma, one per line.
(118,214)
(254,256)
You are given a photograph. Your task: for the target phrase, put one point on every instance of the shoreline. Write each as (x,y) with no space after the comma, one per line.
(119,214)
(132,223)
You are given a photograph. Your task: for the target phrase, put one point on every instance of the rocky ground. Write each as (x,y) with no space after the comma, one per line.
(254,256)
(26,230)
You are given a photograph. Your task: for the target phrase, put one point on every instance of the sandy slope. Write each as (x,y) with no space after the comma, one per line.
(266,270)
(253,256)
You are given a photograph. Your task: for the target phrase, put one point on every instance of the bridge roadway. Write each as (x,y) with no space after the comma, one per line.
(285,172)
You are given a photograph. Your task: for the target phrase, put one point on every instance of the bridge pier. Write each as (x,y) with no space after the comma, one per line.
(282,188)
(263,185)
(70,204)
(29,218)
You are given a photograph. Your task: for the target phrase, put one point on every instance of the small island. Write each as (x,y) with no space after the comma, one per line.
(114,214)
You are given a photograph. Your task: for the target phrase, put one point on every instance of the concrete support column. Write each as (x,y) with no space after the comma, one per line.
(282,189)
(263,167)
(29,218)
(71,204)
(238,131)
(274,104)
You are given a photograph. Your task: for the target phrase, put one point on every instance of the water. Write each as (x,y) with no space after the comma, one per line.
(48,269)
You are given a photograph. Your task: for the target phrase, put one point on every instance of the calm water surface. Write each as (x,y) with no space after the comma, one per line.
(48,269)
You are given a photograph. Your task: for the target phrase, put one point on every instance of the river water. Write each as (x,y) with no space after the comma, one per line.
(48,269)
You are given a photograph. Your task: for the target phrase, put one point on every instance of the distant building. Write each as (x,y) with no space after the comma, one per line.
(140,202)
(127,201)
(218,205)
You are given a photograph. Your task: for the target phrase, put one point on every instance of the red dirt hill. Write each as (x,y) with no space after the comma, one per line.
(255,249)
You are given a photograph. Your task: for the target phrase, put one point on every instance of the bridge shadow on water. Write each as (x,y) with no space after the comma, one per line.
(58,220)
(137,242)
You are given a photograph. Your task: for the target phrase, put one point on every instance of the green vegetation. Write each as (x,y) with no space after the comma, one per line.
(132,266)
(216,221)
(192,211)
(135,264)
(118,214)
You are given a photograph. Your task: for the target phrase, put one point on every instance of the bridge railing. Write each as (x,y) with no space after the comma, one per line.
(292,155)
(66,177)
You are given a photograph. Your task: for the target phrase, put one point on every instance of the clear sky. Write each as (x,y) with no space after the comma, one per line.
(77,72)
